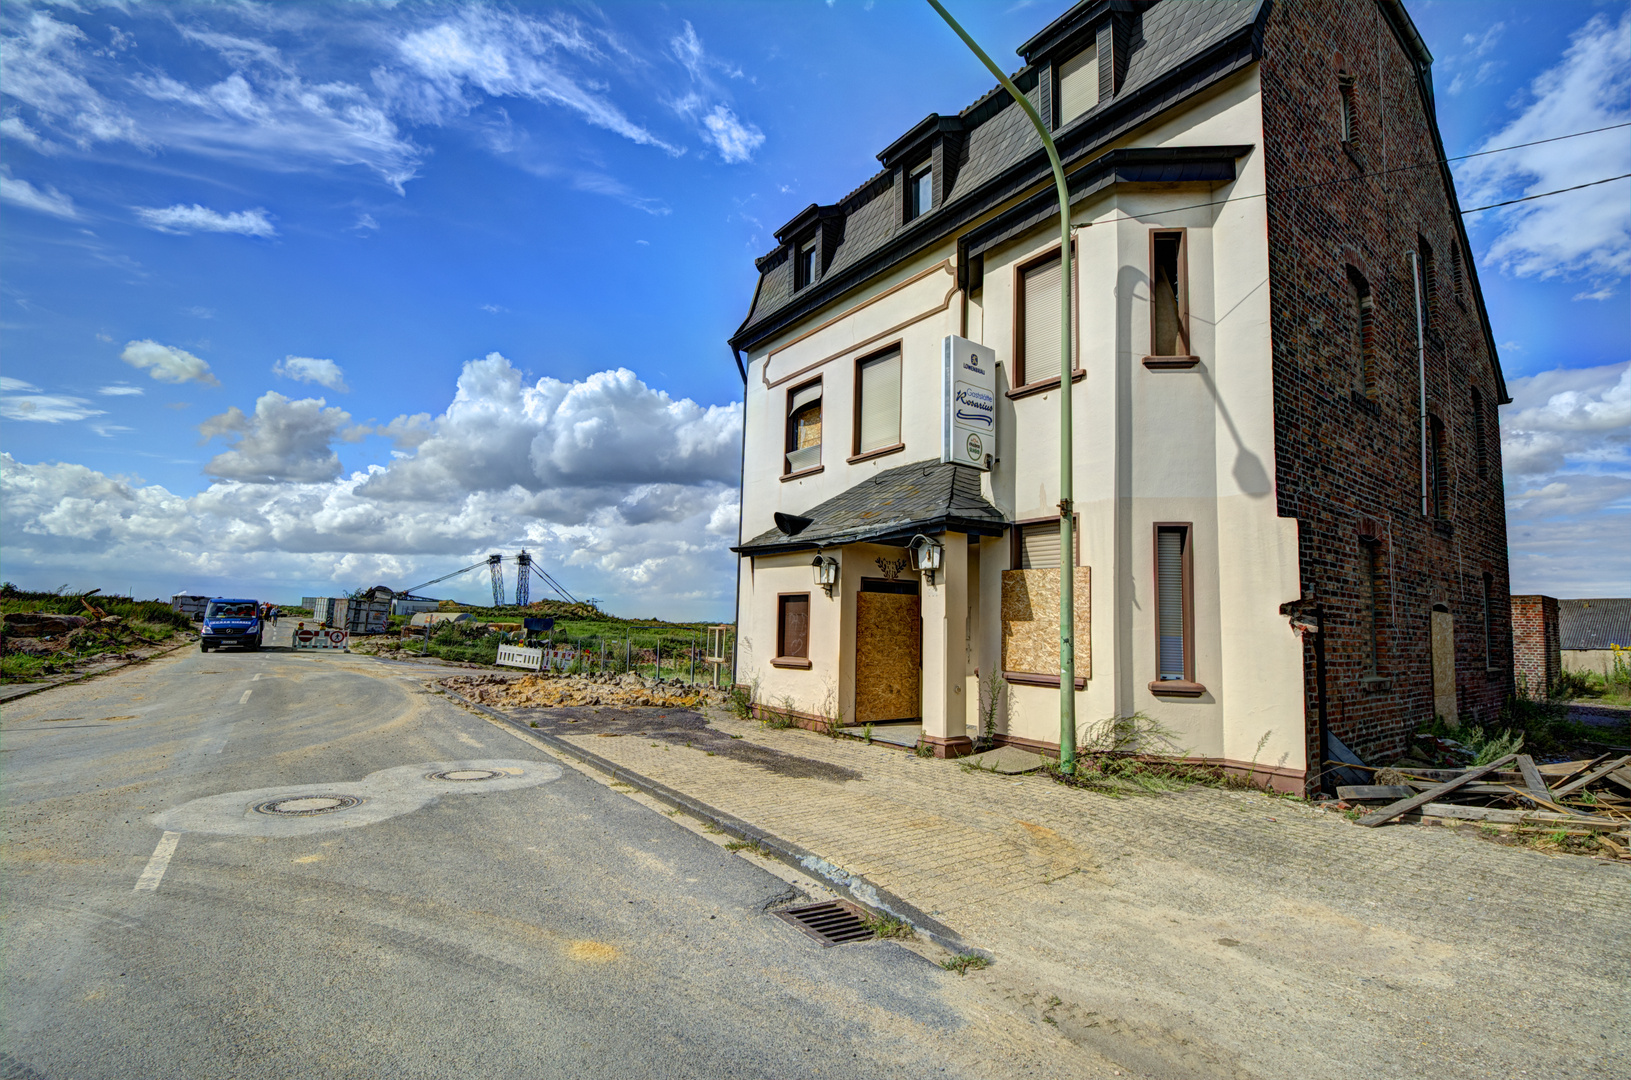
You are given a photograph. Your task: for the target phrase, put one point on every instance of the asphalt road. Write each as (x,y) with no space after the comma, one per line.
(530,924)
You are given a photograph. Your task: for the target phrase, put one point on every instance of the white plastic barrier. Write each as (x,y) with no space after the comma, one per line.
(315,637)
(521,656)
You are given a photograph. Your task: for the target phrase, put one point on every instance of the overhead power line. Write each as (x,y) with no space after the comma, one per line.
(1389,172)
(1543,194)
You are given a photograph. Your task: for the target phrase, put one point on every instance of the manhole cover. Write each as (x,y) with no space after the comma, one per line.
(464,774)
(831,923)
(307,805)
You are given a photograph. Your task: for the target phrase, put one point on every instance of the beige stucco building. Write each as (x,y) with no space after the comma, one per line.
(1189,572)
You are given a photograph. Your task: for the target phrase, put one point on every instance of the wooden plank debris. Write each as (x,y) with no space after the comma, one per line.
(1373,792)
(1621,777)
(1520,817)
(1595,774)
(1404,806)
(1584,768)
(1531,777)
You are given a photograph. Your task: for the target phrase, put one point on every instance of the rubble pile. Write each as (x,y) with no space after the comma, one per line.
(551,691)
(69,640)
(1590,797)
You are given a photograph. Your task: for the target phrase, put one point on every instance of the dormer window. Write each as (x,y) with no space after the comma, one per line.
(920,191)
(804,263)
(1078,85)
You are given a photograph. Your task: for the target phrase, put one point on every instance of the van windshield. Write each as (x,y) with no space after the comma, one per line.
(232,611)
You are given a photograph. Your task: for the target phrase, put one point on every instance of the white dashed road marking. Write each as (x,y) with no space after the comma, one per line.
(245,699)
(257,677)
(149,881)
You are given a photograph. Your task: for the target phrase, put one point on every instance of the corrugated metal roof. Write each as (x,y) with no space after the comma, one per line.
(1594,624)
(925,496)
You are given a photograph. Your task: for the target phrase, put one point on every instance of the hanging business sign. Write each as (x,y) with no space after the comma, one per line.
(968,393)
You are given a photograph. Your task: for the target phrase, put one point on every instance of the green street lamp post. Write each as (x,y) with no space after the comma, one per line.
(1067,524)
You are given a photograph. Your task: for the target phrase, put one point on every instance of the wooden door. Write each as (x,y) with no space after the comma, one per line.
(888,657)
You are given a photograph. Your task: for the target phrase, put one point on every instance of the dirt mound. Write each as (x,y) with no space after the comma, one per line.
(570,691)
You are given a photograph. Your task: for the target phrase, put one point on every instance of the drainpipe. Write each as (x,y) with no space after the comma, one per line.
(1421,378)
(1067,524)
(736,602)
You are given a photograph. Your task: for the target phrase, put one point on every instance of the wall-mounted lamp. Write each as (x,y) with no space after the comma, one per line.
(825,569)
(926,555)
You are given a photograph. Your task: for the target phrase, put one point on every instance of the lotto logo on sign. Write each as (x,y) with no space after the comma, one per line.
(305,638)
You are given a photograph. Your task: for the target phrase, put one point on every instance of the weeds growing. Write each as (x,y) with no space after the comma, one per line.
(963,963)
(889,927)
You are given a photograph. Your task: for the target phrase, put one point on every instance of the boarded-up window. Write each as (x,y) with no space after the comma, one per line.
(793,625)
(1039,321)
(1480,449)
(1174,654)
(1030,626)
(1487,596)
(804,427)
(878,411)
(1169,295)
(1364,332)
(1429,283)
(1078,84)
(1350,116)
(1374,583)
(1438,473)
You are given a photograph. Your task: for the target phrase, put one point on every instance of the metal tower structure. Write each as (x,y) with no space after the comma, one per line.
(495,563)
(523,579)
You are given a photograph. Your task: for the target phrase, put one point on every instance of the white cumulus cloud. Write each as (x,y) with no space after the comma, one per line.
(283,440)
(1566,455)
(621,491)
(166,363)
(308,369)
(182,218)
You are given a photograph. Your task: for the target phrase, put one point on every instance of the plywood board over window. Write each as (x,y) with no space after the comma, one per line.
(1030,626)
(1031,609)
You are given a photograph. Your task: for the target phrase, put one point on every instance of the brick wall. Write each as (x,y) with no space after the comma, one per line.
(1348,464)
(1536,645)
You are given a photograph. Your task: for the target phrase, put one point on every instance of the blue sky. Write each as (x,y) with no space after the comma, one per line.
(304,297)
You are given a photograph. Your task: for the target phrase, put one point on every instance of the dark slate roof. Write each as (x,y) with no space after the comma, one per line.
(1176,49)
(892,506)
(1594,624)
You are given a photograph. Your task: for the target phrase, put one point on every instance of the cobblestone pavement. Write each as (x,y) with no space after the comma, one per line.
(1200,934)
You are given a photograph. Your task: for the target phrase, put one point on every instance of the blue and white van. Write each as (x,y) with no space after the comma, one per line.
(231,622)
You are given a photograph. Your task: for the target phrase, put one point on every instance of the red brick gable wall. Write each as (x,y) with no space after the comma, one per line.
(1348,465)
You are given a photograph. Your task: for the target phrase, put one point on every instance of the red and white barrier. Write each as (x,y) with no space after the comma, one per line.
(315,637)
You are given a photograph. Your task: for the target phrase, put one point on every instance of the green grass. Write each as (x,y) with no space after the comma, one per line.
(150,612)
(626,644)
(20,668)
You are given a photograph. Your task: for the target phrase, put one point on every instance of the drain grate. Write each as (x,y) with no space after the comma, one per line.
(307,805)
(831,923)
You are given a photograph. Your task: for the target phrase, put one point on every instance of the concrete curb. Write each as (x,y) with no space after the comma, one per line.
(94,674)
(854,886)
